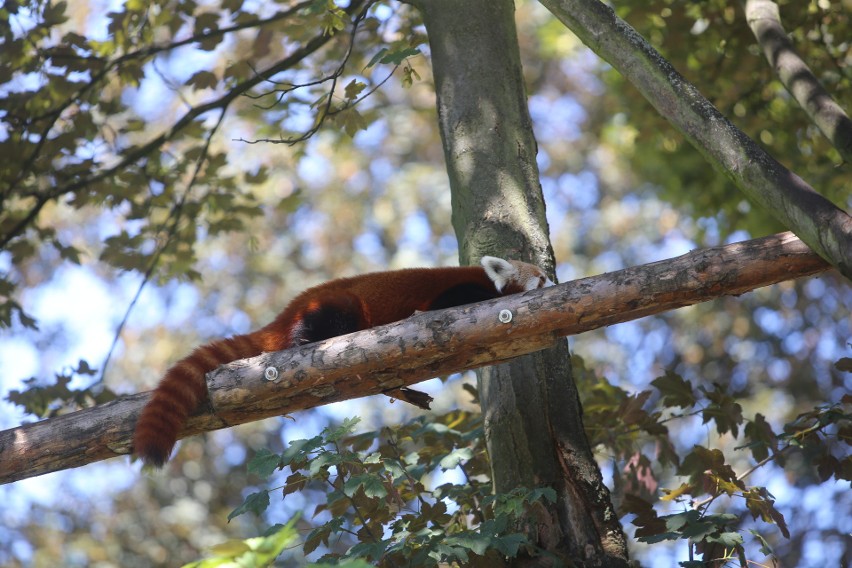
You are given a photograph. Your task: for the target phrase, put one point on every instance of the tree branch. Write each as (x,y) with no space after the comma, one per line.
(416,349)
(822,225)
(764,20)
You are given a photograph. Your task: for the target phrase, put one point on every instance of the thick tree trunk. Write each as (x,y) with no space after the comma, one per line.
(531,408)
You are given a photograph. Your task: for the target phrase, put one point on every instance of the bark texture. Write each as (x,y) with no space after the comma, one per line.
(764,19)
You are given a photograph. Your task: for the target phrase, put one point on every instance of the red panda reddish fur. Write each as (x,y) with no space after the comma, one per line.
(334,308)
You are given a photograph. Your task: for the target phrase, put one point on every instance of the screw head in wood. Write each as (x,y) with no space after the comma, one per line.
(271,374)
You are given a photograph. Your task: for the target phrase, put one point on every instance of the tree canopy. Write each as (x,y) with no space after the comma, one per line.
(175,172)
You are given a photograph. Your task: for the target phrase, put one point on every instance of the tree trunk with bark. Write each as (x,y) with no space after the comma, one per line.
(530,406)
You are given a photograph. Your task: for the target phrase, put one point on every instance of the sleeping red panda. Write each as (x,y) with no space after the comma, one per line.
(334,308)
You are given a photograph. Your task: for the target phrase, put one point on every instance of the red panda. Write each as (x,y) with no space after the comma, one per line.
(334,308)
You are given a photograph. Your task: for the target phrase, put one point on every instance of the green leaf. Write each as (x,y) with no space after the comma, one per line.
(675,390)
(264,463)
(54,14)
(353,89)
(300,450)
(765,547)
(546,493)
(251,552)
(762,437)
(678,521)
(203,80)
(255,503)
(476,543)
(398,56)
(324,461)
(728,539)
(708,467)
(724,410)
(352,121)
(260,176)
(344,429)
(510,544)
(372,485)
(761,504)
(455,457)
(373,550)
(317,537)
(377,57)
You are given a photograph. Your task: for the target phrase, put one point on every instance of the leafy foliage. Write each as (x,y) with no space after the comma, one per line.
(822,435)
(374,492)
(46,401)
(72,141)
(255,552)
(711,44)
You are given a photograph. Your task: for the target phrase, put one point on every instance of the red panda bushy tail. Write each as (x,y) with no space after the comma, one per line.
(179,393)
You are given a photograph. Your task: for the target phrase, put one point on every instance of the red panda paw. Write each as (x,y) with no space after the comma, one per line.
(417,398)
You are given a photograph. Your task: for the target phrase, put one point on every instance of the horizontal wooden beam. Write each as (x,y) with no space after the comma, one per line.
(415,349)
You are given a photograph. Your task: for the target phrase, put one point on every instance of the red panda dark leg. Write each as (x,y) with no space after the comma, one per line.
(461,295)
(338,314)
(328,316)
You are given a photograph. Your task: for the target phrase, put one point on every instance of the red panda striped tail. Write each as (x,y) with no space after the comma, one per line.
(180,392)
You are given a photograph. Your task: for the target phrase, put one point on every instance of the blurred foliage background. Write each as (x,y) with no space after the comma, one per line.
(213,231)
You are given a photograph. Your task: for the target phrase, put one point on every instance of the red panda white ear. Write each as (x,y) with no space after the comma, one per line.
(500,271)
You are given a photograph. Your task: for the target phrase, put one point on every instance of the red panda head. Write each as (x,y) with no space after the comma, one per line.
(513,276)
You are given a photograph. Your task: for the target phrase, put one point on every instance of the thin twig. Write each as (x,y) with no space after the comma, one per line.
(155,260)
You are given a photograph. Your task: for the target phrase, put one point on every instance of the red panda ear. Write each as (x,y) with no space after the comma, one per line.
(500,271)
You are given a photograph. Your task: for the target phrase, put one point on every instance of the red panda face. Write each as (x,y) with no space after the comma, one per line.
(530,276)
(513,276)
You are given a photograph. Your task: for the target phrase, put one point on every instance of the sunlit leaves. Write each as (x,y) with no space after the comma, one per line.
(351,121)
(258,551)
(73,135)
(761,504)
(409,75)
(708,472)
(333,22)
(353,89)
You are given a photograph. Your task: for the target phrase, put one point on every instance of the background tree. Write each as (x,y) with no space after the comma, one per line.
(121,133)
